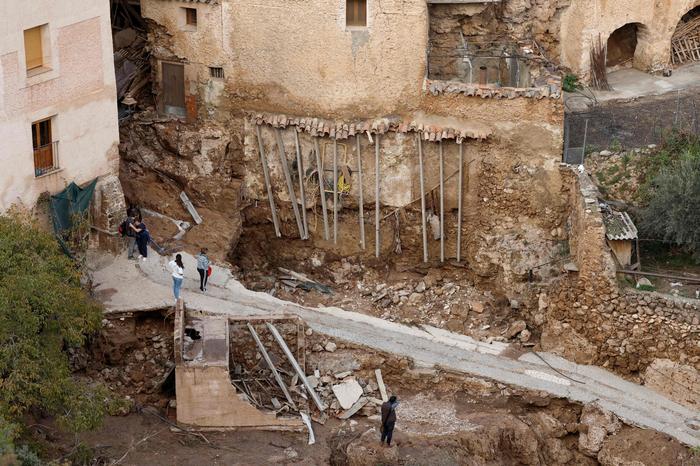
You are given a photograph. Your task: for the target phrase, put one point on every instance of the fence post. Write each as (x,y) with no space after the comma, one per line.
(585,136)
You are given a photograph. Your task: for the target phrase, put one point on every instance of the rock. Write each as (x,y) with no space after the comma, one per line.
(317,348)
(515,328)
(643,281)
(563,340)
(415,298)
(290,453)
(599,423)
(309,332)
(342,375)
(138,355)
(347,393)
(606,153)
(313,380)
(476,306)
(675,381)
(525,336)
(514,304)
(330,347)
(420,287)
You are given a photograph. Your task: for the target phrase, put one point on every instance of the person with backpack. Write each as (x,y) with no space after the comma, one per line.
(129,230)
(388,419)
(177,269)
(203,268)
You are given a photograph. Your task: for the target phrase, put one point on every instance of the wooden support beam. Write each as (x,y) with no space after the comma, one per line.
(442,203)
(302,193)
(295,365)
(422,197)
(288,179)
(377,219)
(459,202)
(266,173)
(361,201)
(335,191)
(272,367)
(321,187)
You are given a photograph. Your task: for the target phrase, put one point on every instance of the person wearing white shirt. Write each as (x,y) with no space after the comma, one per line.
(178,272)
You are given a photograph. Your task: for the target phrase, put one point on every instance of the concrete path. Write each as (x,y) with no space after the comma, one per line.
(129,286)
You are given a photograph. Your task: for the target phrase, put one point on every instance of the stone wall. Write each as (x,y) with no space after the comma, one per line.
(588,317)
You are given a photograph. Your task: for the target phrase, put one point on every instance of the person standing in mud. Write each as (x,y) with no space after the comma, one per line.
(203,268)
(388,419)
(177,268)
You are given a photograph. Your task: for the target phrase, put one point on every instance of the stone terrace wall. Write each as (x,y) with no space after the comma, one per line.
(587,317)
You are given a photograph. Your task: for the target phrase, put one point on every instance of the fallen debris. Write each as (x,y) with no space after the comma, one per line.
(190,208)
(358,405)
(307,421)
(348,392)
(299,280)
(380,383)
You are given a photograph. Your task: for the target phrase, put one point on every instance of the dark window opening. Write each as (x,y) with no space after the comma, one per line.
(216,72)
(174,89)
(356,13)
(191,16)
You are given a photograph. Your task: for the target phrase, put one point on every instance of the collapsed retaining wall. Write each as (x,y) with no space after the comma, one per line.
(589,318)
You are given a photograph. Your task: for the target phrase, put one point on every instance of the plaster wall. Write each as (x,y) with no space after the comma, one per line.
(584,21)
(77,91)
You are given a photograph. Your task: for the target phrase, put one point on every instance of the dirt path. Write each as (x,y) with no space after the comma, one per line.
(124,286)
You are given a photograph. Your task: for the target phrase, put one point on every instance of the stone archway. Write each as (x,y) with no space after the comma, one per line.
(622,45)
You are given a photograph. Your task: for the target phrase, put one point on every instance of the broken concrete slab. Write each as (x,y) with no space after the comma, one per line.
(347,393)
(358,405)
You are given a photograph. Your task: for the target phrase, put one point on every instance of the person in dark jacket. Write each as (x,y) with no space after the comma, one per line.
(388,419)
(143,237)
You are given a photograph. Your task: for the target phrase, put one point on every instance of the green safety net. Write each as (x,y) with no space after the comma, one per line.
(71,203)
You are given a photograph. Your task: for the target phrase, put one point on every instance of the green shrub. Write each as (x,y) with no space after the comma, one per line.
(571,83)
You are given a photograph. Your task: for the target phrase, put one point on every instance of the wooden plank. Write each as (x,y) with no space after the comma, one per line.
(272,367)
(266,174)
(335,191)
(190,208)
(358,405)
(459,202)
(295,365)
(380,384)
(288,179)
(422,197)
(361,201)
(302,193)
(377,220)
(319,169)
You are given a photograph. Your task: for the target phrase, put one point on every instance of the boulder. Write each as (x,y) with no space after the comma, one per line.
(515,328)
(348,393)
(597,424)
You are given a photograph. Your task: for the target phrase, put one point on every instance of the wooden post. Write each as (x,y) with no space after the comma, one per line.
(361,200)
(272,367)
(459,202)
(288,179)
(422,197)
(335,191)
(300,172)
(266,173)
(377,220)
(442,204)
(322,189)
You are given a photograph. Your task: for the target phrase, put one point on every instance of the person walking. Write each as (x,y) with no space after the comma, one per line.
(129,229)
(143,237)
(203,268)
(388,419)
(177,269)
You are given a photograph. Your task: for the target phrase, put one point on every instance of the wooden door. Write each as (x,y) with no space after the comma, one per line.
(43,146)
(174,88)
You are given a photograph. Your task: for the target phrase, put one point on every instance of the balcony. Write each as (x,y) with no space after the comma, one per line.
(46,159)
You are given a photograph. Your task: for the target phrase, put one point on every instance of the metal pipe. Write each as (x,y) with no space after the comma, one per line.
(319,169)
(422,197)
(300,172)
(295,365)
(335,191)
(361,201)
(459,202)
(266,173)
(442,204)
(377,220)
(272,367)
(288,179)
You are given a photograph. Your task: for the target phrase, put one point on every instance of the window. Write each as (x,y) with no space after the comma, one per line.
(190,16)
(36,47)
(356,13)
(216,72)
(174,89)
(45,149)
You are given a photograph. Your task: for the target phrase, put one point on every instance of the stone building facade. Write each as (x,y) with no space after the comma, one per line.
(58,110)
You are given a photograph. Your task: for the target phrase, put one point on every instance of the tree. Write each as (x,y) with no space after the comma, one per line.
(673,209)
(43,311)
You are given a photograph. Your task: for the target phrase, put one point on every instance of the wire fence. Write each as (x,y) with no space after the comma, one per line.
(629,124)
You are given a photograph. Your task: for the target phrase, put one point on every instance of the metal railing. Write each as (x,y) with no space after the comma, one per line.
(46,159)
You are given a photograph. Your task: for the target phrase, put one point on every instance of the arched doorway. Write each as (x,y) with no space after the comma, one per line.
(622,45)
(685,43)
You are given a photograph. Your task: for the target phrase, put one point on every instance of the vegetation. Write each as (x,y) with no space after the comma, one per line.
(43,311)
(671,196)
(571,83)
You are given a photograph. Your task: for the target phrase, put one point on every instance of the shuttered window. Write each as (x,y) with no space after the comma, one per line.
(356,13)
(32,48)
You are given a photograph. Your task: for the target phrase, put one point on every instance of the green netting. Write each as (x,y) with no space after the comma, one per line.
(73,202)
